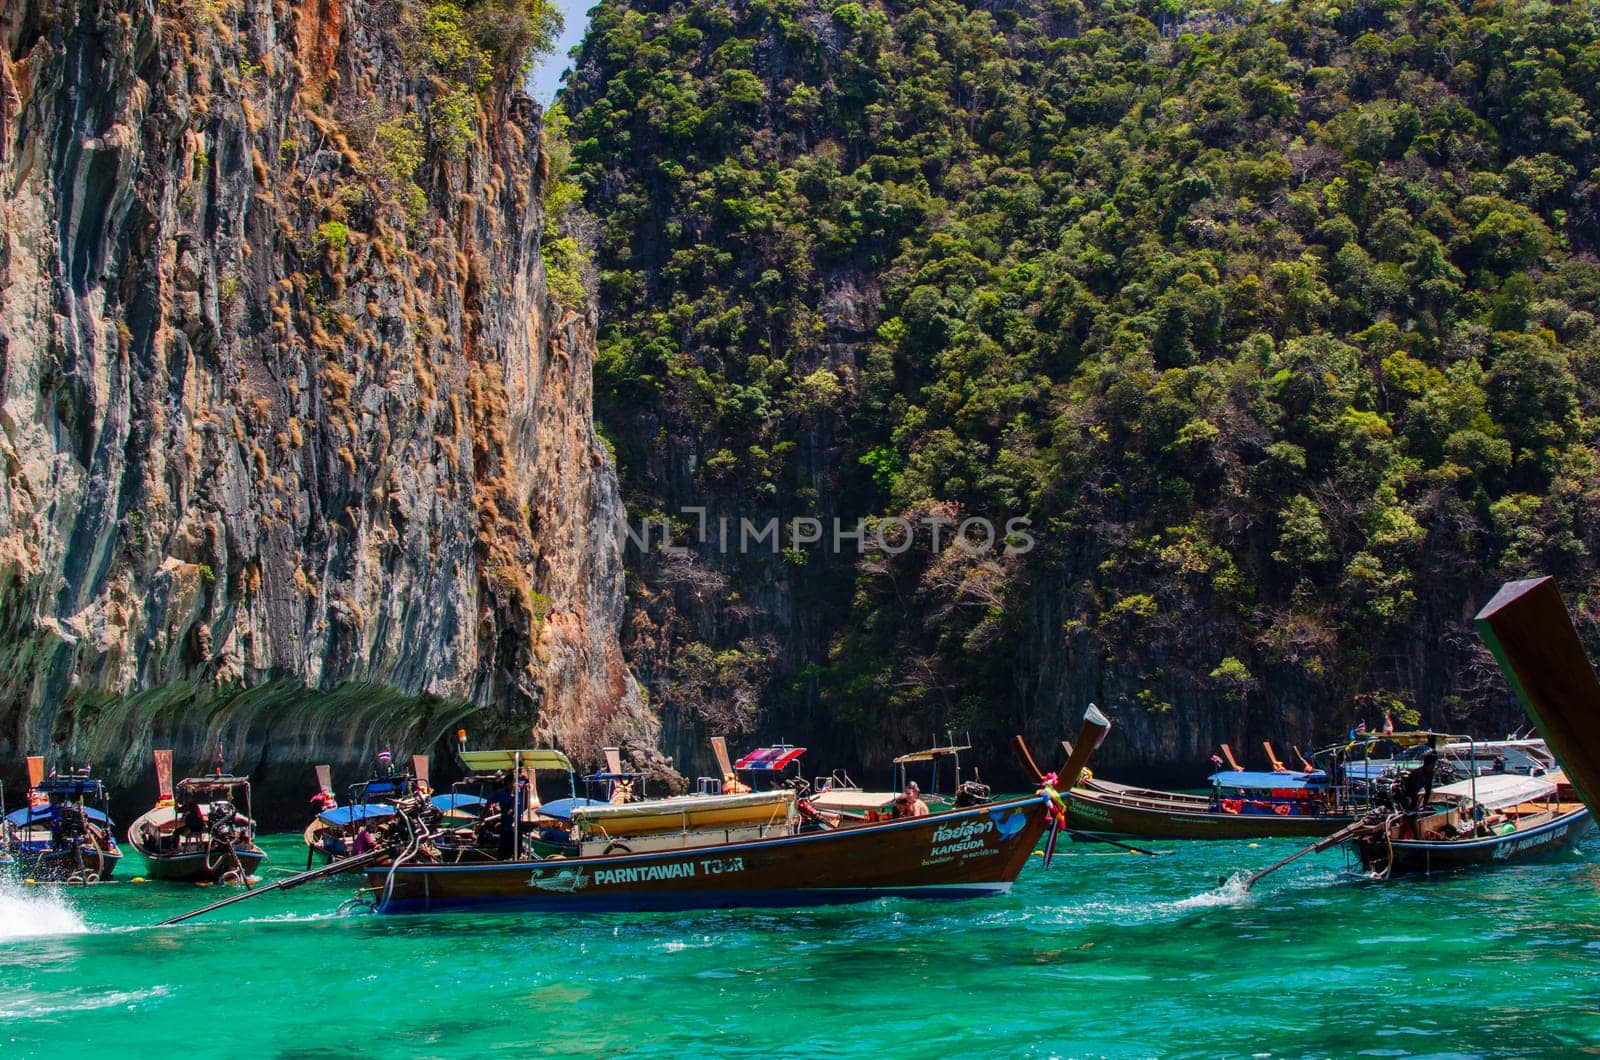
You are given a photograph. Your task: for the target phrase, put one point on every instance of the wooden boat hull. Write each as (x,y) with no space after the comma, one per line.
(58,865)
(1413,856)
(961,854)
(1529,629)
(153,836)
(192,867)
(1111,810)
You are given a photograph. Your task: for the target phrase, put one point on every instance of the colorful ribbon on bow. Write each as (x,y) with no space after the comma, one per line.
(1056,809)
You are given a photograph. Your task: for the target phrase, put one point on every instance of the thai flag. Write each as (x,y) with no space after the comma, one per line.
(1359,730)
(385,757)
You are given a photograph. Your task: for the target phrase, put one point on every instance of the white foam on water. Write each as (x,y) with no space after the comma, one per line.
(1232,892)
(34,1006)
(283,918)
(31,911)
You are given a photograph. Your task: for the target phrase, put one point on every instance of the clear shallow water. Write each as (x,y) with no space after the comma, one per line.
(1106,954)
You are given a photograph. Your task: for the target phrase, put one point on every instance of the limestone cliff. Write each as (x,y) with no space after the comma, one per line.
(297,447)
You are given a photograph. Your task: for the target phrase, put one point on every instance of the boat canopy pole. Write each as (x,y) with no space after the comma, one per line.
(289,882)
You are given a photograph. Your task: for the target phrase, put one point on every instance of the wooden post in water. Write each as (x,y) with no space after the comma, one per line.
(1528,628)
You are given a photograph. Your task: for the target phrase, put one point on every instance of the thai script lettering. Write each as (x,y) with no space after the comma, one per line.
(960,838)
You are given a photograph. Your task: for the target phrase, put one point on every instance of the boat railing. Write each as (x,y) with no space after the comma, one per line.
(838,780)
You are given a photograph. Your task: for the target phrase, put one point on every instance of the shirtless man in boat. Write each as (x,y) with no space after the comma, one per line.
(910,803)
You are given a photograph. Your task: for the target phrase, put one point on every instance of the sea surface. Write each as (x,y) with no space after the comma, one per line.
(1104,954)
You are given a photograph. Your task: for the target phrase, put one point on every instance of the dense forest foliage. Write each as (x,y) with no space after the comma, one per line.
(1277,320)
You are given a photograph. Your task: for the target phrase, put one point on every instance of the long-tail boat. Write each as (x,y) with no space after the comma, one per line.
(64,832)
(957,853)
(1528,628)
(336,831)
(1497,817)
(201,831)
(1478,821)
(1243,804)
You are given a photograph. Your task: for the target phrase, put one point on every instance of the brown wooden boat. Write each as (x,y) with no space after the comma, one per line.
(63,831)
(199,832)
(1101,807)
(1479,821)
(957,853)
(1530,631)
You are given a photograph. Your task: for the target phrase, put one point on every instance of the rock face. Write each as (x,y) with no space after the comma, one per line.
(297,447)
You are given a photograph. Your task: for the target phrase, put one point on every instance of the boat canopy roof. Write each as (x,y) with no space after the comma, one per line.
(205,784)
(340,816)
(78,785)
(1413,738)
(561,809)
(771,758)
(930,754)
(1248,779)
(21,818)
(533,758)
(1499,790)
(457,803)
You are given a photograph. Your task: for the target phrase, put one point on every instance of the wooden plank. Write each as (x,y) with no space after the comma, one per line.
(1272,757)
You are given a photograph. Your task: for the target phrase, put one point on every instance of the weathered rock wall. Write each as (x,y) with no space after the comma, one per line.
(297,447)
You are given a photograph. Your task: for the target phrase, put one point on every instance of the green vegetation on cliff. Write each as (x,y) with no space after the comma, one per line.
(1277,320)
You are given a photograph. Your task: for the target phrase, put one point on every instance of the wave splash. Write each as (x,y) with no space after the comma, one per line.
(31,912)
(1233,891)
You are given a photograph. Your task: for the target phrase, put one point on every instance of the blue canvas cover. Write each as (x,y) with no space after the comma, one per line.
(561,809)
(464,803)
(19,818)
(340,816)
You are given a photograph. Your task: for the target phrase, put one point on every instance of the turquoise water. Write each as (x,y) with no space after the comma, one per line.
(1104,954)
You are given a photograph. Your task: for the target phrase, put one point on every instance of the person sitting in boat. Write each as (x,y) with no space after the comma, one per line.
(193,820)
(621,792)
(363,841)
(732,785)
(910,803)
